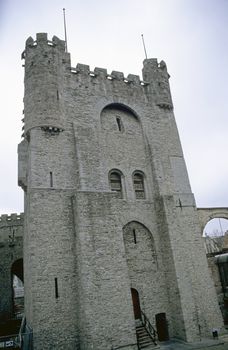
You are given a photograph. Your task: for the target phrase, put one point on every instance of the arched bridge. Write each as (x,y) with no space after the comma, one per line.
(207,214)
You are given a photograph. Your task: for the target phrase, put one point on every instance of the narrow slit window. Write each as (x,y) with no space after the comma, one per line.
(119,124)
(56,288)
(134,236)
(115,183)
(51,179)
(138,180)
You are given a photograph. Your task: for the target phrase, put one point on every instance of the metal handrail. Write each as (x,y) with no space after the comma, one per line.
(8,336)
(150,329)
(137,338)
(23,339)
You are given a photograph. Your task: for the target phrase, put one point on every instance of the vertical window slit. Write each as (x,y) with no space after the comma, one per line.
(51,179)
(56,288)
(119,123)
(134,235)
(57,94)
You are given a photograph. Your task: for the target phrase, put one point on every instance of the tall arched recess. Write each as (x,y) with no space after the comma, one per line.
(140,251)
(143,269)
(121,107)
(119,118)
(138,237)
(122,144)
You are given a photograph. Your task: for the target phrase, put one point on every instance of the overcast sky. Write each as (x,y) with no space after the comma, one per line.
(189,35)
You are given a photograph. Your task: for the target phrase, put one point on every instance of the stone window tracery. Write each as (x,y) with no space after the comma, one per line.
(116,183)
(138,182)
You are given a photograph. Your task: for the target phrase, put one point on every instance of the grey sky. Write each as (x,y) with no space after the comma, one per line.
(190,35)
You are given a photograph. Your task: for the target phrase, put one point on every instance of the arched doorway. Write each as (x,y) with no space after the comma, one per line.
(215,237)
(17,278)
(136,303)
(207,214)
(216,227)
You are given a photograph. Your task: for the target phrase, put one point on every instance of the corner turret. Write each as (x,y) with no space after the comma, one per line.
(158,77)
(45,63)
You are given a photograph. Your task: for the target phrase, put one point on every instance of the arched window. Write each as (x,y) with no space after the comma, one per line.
(138,182)
(115,183)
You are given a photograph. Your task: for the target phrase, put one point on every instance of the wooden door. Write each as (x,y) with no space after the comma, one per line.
(162,327)
(136,303)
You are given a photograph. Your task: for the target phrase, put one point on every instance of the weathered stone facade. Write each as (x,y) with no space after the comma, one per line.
(108,206)
(217,258)
(11,251)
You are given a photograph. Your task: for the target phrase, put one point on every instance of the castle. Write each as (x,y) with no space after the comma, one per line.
(111,230)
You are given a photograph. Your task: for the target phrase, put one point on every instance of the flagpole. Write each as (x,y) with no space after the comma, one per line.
(64,19)
(144,45)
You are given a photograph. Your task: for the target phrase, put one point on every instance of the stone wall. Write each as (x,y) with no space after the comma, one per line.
(11,249)
(79,262)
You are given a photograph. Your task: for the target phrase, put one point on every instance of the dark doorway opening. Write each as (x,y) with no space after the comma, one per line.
(136,303)
(162,326)
(17,278)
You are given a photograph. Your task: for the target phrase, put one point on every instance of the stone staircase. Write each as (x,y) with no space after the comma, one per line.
(144,339)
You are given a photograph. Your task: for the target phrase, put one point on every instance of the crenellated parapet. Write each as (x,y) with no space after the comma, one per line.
(45,63)
(154,85)
(11,229)
(48,75)
(102,74)
(42,39)
(157,74)
(11,220)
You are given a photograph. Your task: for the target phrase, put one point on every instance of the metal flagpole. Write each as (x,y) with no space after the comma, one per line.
(64,18)
(144,45)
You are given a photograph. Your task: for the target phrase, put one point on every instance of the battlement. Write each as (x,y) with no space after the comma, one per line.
(42,39)
(83,69)
(11,220)
(11,229)
(102,73)
(155,81)
(48,73)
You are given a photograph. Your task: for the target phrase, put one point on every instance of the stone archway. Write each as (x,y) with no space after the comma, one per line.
(17,269)
(140,249)
(145,280)
(17,285)
(216,246)
(207,214)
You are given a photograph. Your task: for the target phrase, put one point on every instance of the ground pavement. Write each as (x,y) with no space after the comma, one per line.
(211,344)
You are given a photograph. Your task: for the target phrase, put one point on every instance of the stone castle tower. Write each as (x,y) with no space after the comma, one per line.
(111,227)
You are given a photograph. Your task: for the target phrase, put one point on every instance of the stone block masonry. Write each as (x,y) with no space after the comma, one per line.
(108,207)
(11,251)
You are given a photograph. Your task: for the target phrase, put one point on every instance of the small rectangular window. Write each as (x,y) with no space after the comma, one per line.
(51,179)
(56,288)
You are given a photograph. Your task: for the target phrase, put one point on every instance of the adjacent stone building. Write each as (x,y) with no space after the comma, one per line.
(217,258)
(111,229)
(11,260)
